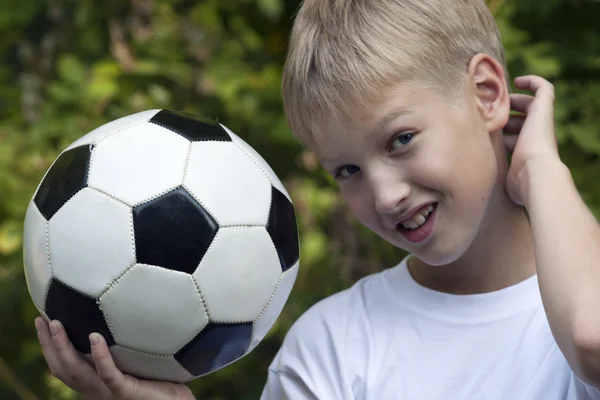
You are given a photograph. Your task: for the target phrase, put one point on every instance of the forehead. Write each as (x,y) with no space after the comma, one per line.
(390,103)
(364,118)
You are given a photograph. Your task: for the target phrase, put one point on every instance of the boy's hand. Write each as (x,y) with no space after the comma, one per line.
(529,136)
(105,381)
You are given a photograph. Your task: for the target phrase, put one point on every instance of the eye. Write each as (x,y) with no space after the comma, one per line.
(401,140)
(346,171)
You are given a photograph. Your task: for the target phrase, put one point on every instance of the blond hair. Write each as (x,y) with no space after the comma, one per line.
(344,54)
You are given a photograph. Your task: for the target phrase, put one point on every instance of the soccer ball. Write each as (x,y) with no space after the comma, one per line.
(170,236)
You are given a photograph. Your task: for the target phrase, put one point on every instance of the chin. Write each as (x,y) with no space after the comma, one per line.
(440,253)
(438,259)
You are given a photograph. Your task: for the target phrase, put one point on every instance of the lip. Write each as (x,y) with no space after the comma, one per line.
(422,233)
(411,213)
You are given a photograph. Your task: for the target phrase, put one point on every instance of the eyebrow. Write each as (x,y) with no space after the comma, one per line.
(381,123)
(386,119)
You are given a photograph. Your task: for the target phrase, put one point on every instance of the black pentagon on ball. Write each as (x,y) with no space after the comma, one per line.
(190,126)
(79,314)
(173,231)
(67,176)
(283,229)
(216,346)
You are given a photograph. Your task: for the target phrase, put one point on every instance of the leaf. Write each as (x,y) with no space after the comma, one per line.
(101,88)
(159,94)
(71,70)
(61,93)
(272,9)
(10,237)
(540,61)
(587,137)
(18,12)
(314,247)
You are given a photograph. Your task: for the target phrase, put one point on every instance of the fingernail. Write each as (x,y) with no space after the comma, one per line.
(37,323)
(94,339)
(54,328)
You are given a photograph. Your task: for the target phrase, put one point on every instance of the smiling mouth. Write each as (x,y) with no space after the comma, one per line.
(418,220)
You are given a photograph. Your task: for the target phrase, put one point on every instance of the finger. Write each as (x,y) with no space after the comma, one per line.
(510,142)
(515,124)
(543,104)
(540,87)
(534,84)
(521,102)
(48,350)
(112,377)
(72,369)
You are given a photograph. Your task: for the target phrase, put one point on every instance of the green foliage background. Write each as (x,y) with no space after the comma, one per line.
(68,66)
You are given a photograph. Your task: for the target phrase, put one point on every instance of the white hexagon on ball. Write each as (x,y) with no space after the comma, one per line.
(238,274)
(113,127)
(153,309)
(138,163)
(269,316)
(91,241)
(260,161)
(228,183)
(149,366)
(35,255)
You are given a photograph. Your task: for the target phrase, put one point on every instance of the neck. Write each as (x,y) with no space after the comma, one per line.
(500,256)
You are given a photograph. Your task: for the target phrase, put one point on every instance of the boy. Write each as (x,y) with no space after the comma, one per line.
(405,102)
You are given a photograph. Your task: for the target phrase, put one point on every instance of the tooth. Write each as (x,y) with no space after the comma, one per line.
(410,225)
(419,219)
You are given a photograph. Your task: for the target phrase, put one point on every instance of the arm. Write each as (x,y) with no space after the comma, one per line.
(566,235)
(567,250)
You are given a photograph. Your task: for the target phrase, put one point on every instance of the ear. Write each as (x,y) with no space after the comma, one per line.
(490,91)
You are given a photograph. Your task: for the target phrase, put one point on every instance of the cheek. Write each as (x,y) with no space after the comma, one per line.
(474,174)
(359,205)
(463,168)
(436,168)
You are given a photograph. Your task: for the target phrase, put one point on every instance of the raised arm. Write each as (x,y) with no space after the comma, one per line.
(566,235)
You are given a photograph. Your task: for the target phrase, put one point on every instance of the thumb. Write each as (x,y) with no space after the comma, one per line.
(113,378)
(510,142)
(512,189)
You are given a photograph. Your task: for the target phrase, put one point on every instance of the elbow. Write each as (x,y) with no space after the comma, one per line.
(587,356)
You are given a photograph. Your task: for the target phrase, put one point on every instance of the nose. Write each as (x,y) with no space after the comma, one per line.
(389,197)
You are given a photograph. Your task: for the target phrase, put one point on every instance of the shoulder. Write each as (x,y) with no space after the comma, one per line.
(342,308)
(326,328)
(323,355)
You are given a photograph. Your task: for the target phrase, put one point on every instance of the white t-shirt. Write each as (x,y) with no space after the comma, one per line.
(388,337)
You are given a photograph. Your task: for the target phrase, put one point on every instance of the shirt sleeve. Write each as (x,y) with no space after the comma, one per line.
(309,365)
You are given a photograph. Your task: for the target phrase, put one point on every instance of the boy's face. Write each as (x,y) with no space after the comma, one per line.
(415,149)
